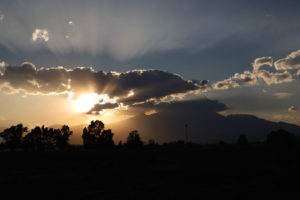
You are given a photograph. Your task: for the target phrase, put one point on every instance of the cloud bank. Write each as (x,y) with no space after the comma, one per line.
(283,72)
(127,87)
(135,86)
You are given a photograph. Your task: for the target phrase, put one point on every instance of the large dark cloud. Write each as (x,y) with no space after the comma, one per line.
(203,105)
(99,107)
(133,86)
(28,78)
(128,87)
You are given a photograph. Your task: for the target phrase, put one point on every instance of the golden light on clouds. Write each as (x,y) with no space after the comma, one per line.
(151,112)
(85,102)
(42,34)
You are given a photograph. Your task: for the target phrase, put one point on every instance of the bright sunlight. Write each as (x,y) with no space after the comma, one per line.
(85,102)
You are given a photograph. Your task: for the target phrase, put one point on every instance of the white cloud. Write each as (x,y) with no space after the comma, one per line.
(292,109)
(292,61)
(275,78)
(246,78)
(258,62)
(251,78)
(225,84)
(42,34)
(2,64)
(282,95)
(150,112)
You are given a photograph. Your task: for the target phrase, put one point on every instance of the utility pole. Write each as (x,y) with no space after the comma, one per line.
(186,132)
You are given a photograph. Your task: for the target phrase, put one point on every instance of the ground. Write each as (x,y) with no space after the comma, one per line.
(200,172)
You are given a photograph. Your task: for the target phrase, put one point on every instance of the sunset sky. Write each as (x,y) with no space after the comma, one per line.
(68,62)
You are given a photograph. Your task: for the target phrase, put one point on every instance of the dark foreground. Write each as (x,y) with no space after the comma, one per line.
(211,172)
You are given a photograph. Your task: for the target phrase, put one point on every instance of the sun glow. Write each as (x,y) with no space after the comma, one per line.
(85,102)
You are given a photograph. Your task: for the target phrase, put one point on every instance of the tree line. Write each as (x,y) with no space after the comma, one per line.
(42,138)
(95,136)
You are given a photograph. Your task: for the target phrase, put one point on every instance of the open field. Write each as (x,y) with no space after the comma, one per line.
(209,172)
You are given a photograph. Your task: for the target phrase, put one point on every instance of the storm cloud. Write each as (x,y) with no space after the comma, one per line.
(99,107)
(128,87)
(202,103)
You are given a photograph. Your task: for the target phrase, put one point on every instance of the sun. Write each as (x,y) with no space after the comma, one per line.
(85,102)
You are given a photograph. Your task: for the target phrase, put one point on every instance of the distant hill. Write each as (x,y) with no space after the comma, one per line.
(208,128)
(205,125)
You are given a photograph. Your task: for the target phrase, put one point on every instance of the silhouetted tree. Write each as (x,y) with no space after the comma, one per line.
(96,127)
(91,134)
(176,144)
(151,143)
(40,139)
(120,144)
(281,137)
(31,140)
(48,138)
(105,140)
(13,136)
(134,140)
(61,137)
(242,140)
(96,137)
(89,140)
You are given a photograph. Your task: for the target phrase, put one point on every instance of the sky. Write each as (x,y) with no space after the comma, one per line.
(68,62)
